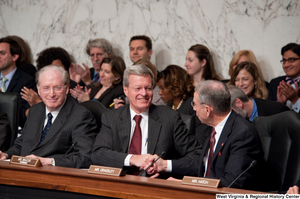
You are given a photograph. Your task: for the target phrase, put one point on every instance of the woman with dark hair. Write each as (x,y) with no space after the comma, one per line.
(110,86)
(176,89)
(199,64)
(49,56)
(247,77)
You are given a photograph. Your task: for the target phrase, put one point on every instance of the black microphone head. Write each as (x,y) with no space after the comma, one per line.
(74,143)
(253,163)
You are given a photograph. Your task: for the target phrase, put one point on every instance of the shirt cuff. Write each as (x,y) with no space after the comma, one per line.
(169,165)
(53,162)
(296,106)
(126,161)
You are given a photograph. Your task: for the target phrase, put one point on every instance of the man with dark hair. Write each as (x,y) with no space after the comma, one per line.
(56,125)
(285,89)
(251,108)
(233,144)
(140,47)
(12,79)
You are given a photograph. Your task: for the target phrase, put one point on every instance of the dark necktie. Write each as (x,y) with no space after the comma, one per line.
(97,77)
(291,81)
(47,127)
(211,151)
(136,141)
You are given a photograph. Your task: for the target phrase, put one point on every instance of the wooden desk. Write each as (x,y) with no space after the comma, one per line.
(80,181)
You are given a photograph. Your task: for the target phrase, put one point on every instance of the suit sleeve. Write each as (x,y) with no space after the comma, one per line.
(273,91)
(5,132)
(104,152)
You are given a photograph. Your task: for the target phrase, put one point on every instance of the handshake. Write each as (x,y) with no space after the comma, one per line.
(152,164)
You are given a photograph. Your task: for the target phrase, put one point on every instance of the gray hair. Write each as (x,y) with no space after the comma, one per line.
(215,94)
(140,70)
(235,93)
(99,43)
(64,73)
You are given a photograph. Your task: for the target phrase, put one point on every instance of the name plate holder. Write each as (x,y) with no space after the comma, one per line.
(205,182)
(106,170)
(24,161)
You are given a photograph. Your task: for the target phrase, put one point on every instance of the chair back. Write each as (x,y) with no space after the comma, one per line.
(190,122)
(9,104)
(280,138)
(97,108)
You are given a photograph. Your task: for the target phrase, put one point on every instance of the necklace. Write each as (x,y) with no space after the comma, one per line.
(173,107)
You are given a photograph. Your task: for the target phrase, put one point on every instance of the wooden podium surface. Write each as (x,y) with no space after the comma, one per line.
(80,181)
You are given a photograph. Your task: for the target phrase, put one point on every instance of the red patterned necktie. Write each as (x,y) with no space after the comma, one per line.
(211,151)
(136,141)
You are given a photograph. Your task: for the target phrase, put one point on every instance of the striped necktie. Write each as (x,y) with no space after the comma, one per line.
(4,80)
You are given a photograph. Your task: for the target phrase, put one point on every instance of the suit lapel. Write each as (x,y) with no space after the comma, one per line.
(39,126)
(13,81)
(124,128)
(154,128)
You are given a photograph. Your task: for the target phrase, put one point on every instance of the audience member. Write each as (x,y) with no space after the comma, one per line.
(246,76)
(233,145)
(110,86)
(26,60)
(55,124)
(251,108)
(97,49)
(285,89)
(176,89)
(49,56)
(122,142)
(5,132)
(199,64)
(12,79)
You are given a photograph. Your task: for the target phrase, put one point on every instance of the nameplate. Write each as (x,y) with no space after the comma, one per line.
(20,160)
(106,170)
(206,182)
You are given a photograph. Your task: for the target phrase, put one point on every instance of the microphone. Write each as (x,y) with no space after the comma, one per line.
(162,153)
(253,163)
(72,146)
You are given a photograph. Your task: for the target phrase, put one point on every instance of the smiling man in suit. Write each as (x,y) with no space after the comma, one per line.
(12,79)
(131,133)
(56,125)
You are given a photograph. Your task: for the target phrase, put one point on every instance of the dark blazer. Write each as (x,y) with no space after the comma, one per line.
(166,132)
(28,68)
(201,130)
(109,95)
(268,107)
(19,80)
(238,145)
(5,132)
(273,88)
(73,123)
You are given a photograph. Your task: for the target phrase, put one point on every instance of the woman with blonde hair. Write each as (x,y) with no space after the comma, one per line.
(246,76)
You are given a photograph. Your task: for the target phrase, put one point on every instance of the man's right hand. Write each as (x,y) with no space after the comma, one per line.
(293,190)
(84,73)
(3,156)
(140,160)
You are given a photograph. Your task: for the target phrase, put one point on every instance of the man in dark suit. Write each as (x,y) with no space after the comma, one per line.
(285,89)
(97,49)
(251,108)
(56,124)
(233,143)
(125,142)
(12,79)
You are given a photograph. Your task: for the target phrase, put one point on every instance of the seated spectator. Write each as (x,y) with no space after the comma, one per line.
(56,124)
(49,56)
(251,108)
(285,89)
(241,56)
(12,79)
(246,77)
(176,89)
(110,86)
(5,132)
(199,64)
(131,133)
(26,60)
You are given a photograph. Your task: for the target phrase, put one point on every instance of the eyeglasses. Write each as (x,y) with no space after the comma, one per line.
(194,104)
(290,60)
(47,89)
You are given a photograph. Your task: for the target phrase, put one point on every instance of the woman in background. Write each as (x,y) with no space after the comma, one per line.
(246,76)
(176,89)
(110,86)
(199,64)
